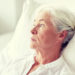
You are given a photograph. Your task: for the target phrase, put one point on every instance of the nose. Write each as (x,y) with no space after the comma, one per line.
(34,31)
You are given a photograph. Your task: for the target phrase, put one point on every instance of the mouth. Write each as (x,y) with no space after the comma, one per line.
(33,39)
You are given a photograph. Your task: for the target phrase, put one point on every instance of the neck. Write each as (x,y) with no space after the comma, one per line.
(47,55)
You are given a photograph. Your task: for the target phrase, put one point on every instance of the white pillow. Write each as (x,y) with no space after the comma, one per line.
(69,53)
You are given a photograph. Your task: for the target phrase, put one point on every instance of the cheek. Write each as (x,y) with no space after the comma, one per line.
(44,37)
(47,37)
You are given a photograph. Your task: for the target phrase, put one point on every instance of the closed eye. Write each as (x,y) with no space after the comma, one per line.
(39,25)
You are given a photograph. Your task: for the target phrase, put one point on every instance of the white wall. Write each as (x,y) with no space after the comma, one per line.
(9,13)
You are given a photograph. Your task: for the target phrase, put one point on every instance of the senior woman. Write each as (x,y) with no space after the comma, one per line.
(53,29)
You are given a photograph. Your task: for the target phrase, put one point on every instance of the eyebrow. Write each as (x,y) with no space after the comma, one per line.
(39,20)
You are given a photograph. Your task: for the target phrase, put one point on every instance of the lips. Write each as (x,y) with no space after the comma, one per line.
(33,39)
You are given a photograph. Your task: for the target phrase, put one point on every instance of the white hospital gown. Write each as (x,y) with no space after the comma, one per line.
(23,65)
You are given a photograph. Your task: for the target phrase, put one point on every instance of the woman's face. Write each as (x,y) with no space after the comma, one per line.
(44,33)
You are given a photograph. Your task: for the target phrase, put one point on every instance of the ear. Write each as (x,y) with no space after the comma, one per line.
(62,35)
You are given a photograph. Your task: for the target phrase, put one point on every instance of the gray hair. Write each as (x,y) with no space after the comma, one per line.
(63,19)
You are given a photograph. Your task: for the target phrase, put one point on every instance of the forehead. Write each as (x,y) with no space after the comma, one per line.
(43,15)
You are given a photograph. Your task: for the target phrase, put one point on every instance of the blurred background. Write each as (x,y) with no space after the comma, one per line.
(10,11)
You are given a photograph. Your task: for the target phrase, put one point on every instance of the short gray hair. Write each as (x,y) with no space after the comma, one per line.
(63,19)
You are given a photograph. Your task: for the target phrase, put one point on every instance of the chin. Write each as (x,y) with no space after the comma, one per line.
(33,46)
